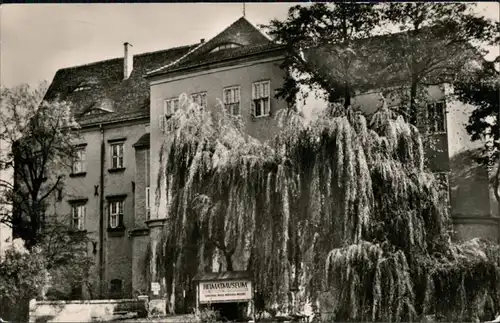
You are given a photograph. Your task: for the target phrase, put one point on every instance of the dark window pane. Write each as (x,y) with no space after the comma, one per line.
(431,118)
(440,117)
(258,108)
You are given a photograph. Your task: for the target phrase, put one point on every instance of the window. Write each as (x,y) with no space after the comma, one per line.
(436,117)
(261,100)
(82,87)
(170,106)
(95,111)
(115,214)
(78,217)
(79,161)
(231,97)
(117,155)
(225,46)
(200,99)
(148,205)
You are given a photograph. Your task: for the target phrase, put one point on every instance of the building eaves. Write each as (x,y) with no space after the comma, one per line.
(227,55)
(110,118)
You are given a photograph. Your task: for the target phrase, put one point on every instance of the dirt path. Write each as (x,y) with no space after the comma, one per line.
(169,319)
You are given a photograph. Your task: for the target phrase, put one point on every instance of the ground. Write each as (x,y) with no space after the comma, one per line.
(169,319)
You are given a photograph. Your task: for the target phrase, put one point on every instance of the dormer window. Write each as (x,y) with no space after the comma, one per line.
(84,86)
(94,111)
(81,88)
(225,46)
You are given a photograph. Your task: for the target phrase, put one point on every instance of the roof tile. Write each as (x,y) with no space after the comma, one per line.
(126,98)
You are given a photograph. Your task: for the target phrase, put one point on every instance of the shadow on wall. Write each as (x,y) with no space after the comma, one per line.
(469,184)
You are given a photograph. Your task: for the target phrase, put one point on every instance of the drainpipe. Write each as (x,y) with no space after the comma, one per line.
(101,219)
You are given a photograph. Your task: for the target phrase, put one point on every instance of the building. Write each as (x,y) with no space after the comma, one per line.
(105,195)
(121,105)
(242,76)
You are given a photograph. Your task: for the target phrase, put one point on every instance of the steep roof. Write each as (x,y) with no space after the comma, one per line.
(380,61)
(247,39)
(99,92)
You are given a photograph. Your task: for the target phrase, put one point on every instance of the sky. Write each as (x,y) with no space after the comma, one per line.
(38,39)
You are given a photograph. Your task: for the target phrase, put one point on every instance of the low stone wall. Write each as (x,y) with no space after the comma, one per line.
(85,311)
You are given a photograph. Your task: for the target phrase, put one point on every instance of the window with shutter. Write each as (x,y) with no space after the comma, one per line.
(231,98)
(170,106)
(436,117)
(200,98)
(261,99)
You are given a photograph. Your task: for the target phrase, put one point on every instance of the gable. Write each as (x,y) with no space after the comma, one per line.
(241,32)
(239,39)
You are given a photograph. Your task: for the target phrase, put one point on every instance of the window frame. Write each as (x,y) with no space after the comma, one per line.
(262,98)
(80,216)
(118,165)
(234,103)
(202,94)
(432,126)
(78,160)
(117,214)
(167,106)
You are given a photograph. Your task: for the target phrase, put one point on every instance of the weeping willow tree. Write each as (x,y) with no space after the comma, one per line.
(342,205)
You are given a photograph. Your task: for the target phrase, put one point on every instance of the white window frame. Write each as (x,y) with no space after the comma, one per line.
(232,101)
(78,217)
(79,161)
(261,94)
(200,98)
(119,157)
(115,213)
(170,107)
(432,121)
(162,122)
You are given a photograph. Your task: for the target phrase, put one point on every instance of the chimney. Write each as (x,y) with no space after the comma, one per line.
(202,40)
(128,61)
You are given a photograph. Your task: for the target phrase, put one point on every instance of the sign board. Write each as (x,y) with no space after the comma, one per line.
(155,288)
(225,291)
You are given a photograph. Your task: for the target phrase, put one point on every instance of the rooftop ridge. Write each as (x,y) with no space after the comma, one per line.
(177,60)
(120,58)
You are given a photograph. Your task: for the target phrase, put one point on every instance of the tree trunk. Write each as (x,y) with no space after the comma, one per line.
(496,183)
(412,113)
(347,95)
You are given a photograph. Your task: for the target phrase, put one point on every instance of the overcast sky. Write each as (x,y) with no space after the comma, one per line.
(38,39)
